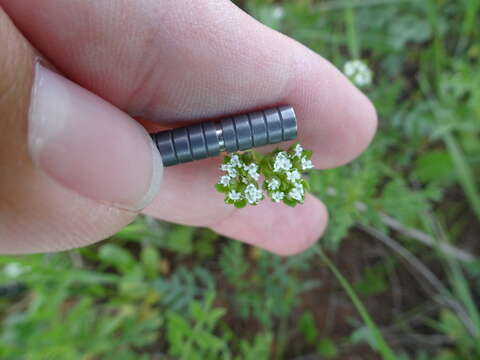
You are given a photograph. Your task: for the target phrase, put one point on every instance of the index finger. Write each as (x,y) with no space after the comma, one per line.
(182,60)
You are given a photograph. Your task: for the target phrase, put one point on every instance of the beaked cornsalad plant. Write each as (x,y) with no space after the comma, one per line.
(281,171)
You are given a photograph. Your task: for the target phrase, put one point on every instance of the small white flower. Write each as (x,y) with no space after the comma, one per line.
(300,188)
(298,150)
(234,195)
(362,207)
(273,184)
(358,72)
(278,12)
(293,176)
(306,164)
(278,196)
(253,194)
(235,161)
(297,192)
(13,270)
(252,170)
(232,172)
(282,162)
(225,180)
(331,191)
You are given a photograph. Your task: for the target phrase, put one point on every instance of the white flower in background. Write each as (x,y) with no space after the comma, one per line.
(282,162)
(298,150)
(232,172)
(253,194)
(331,191)
(252,170)
(234,195)
(13,270)
(235,161)
(225,180)
(297,192)
(278,196)
(273,184)
(362,207)
(278,12)
(358,72)
(293,176)
(306,164)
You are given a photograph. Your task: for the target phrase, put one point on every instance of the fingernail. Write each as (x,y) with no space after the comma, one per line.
(89,146)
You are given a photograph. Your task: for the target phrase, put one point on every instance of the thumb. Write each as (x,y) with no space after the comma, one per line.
(74,169)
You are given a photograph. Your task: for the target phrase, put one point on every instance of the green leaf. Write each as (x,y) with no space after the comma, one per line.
(290,202)
(434,166)
(373,281)
(240,204)
(180,239)
(326,347)
(116,256)
(150,259)
(306,185)
(452,326)
(221,188)
(308,328)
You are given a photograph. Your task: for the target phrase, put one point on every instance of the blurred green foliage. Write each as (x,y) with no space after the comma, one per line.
(162,291)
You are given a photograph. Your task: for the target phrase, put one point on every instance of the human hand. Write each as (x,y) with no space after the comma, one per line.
(75,169)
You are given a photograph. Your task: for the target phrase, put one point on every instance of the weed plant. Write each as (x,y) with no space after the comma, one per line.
(410,203)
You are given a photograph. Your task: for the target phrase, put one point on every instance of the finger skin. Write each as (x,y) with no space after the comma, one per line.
(178,60)
(290,231)
(36,213)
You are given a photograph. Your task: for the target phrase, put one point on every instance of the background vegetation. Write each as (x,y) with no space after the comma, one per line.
(396,277)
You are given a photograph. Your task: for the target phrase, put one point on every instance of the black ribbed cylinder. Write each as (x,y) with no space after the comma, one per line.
(241,132)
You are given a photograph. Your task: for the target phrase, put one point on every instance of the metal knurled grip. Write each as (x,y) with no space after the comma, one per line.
(230,134)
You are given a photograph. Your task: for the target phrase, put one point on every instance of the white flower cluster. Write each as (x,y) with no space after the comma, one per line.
(287,165)
(285,183)
(239,172)
(358,72)
(234,195)
(253,194)
(282,162)
(14,269)
(278,12)
(306,164)
(298,192)
(252,170)
(277,196)
(273,184)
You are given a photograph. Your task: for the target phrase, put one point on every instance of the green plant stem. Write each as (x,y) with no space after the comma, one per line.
(281,338)
(471,8)
(353,44)
(458,281)
(198,326)
(437,46)
(382,346)
(464,172)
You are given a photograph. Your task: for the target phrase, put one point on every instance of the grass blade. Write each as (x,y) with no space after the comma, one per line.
(383,347)
(464,173)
